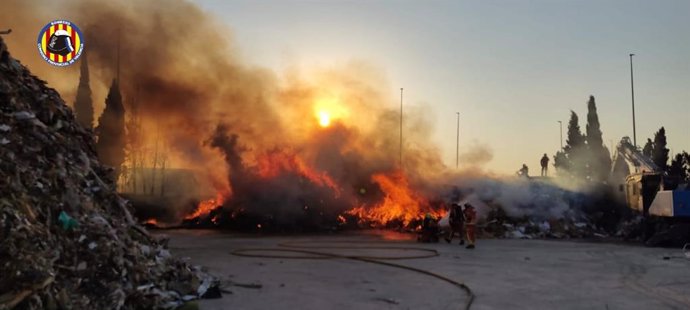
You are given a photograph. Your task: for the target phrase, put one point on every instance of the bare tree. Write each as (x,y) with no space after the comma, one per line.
(134,144)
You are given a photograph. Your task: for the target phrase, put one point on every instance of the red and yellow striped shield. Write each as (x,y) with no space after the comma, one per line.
(60,43)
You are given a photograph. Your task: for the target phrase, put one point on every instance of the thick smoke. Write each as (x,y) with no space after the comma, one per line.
(177,64)
(289,195)
(252,134)
(477,155)
(174,60)
(523,198)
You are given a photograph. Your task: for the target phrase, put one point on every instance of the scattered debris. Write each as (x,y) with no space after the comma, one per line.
(247,285)
(501,226)
(387,300)
(67,241)
(213,292)
(192,305)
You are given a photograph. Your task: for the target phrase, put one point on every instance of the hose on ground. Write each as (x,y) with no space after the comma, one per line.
(303,249)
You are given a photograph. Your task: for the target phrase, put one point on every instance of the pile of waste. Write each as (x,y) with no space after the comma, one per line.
(499,225)
(67,240)
(525,228)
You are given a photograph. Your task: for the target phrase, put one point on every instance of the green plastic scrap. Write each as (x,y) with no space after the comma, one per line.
(67,221)
(192,305)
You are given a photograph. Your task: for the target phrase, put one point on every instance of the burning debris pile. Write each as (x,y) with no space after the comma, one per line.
(302,150)
(282,192)
(298,149)
(67,240)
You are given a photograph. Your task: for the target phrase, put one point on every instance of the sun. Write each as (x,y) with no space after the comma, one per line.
(324,119)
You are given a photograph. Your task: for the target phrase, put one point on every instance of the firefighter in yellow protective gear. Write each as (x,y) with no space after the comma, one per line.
(470,225)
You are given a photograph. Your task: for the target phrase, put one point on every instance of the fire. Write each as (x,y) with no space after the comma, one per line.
(273,163)
(205,207)
(324,119)
(400,202)
(151,221)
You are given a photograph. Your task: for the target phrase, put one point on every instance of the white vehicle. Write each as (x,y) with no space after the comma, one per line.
(647,189)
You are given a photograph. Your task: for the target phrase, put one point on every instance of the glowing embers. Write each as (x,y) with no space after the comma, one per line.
(204,208)
(152,222)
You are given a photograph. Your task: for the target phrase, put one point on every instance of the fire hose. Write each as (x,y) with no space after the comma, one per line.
(304,249)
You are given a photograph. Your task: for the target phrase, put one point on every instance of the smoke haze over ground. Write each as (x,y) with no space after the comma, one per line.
(282,142)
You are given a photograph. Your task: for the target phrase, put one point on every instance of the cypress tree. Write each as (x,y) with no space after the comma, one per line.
(575,138)
(111,131)
(659,151)
(593,127)
(677,167)
(686,165)
(648,148)
(598,159)
(560,162)
(83,105)
(575,147)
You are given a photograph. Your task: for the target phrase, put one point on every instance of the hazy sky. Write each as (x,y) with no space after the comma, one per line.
(511,68)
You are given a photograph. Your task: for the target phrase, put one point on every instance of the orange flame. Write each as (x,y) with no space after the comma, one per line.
(272,163)
(205,207)
(151,221)
(400,202)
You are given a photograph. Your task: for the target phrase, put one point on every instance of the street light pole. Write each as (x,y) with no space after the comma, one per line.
(632,92)
(561,123)
(401,126)
(457,142)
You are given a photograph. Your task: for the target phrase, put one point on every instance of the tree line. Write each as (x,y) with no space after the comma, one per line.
(583,158)
(586,158)
(658,151)
(137,168)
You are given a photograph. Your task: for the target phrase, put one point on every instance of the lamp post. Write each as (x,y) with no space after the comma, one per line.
(457,143)
(632,93)
(401,127)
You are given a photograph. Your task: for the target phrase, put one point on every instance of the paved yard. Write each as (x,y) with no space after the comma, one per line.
(504,274)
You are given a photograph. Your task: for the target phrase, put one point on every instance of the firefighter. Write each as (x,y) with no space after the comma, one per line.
(456,219)
(544,165)
(429,229)
(524,171)
(470,224)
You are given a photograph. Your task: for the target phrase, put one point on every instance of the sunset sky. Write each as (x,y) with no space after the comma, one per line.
(511,68)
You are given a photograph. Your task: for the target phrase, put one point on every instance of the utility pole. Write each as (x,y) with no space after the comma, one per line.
(561,123)
(632,92)
(401,127)
(118,56)
(457,142)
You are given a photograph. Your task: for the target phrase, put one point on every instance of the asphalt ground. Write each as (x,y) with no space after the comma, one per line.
(502,273)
